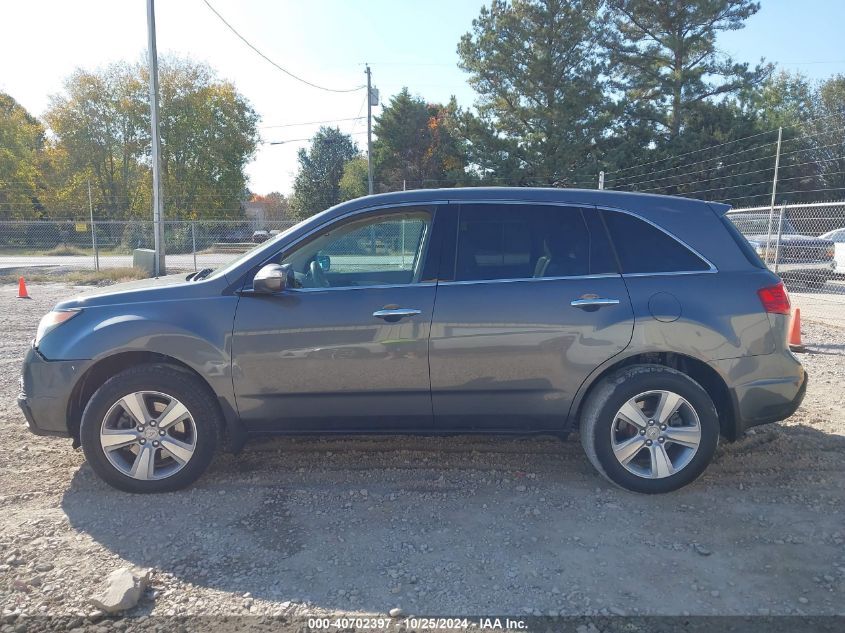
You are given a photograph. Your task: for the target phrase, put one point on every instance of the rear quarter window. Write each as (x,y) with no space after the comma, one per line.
(643,248)
(743,243)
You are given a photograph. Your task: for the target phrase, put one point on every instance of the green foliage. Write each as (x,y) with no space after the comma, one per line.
(538,68)
(416,146)
(21,153)
(665,57)
(317,184)
(102,129)
(354,183)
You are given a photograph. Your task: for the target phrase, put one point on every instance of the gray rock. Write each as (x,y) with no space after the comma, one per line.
(124,587)
(395,612)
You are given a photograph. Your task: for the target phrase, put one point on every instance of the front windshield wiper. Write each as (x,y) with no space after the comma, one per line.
(200,274)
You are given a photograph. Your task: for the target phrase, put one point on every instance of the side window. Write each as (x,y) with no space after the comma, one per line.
(643,248)
(377,250)
(511,241)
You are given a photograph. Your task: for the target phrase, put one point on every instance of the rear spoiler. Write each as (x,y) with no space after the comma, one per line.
(719,208)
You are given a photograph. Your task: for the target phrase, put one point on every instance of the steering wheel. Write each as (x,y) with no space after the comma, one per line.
(318,276)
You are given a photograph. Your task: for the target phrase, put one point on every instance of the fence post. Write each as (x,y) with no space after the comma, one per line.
(780,233)
(93,230)
(194,243)
(774,193)
(601,179)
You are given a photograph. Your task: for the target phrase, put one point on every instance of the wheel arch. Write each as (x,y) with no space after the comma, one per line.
(700,371)
(106,367)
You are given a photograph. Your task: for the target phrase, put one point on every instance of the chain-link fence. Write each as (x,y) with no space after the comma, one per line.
(189,244)
(805,245)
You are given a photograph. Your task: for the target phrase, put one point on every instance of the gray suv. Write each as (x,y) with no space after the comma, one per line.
(646,323)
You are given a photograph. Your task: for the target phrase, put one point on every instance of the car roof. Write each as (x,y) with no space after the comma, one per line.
(597,197)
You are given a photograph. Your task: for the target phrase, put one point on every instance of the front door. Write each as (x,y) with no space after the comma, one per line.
(529,306)
(348,349)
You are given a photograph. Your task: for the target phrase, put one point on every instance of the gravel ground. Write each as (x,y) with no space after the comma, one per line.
(430,525)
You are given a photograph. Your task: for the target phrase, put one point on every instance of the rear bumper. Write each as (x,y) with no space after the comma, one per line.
(764,389)
(46,387)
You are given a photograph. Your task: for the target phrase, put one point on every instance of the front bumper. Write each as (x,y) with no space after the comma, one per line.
(46,388)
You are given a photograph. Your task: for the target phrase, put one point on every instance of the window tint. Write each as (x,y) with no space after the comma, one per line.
(374,251)
(528,241)
(643,248)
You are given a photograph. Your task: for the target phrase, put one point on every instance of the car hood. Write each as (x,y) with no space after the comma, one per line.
(154,289)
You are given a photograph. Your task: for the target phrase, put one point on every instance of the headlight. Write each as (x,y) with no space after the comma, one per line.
(52,320)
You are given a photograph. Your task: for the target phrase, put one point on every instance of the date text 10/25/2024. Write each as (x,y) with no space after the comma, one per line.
(416,623)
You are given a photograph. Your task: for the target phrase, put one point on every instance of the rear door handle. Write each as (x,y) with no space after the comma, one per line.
(394,314)
(596,302)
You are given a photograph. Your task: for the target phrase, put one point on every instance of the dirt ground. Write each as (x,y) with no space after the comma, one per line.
(442,526)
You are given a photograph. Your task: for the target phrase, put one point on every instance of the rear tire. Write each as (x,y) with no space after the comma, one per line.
(167,450)
(649,428)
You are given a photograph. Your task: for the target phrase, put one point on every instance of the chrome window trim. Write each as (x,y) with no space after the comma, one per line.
(528,279)
(424,284)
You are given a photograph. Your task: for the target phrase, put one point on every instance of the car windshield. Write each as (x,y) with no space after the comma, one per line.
(759,224)
(237,261)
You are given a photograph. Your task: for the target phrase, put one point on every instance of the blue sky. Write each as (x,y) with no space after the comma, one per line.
(327,41)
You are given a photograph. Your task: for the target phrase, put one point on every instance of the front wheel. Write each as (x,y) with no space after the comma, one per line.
(649,428)
(151,428)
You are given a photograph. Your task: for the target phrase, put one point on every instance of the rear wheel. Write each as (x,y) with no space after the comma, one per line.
(649,428)
(151,428)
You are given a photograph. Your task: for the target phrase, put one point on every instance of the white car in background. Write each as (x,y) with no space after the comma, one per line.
(837,236)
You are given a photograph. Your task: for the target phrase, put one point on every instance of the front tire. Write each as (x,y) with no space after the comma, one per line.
(151,428)
(649,428)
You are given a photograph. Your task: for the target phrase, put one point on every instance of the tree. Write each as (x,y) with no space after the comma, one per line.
(22,143)
(355,180)
(208,133)
(317,184)
(665,57)
(101,124)
(276,205)
(538,68)
(102,134)
(415,145)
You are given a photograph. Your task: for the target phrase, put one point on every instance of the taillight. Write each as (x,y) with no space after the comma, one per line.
(775,299)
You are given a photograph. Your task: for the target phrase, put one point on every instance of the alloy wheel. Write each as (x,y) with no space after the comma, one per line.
(655,434)
(148,435)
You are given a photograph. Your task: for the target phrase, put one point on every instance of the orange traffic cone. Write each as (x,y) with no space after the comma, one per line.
(795,332)
(22,293)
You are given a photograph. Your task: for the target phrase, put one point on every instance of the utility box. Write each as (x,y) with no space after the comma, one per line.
(145,259)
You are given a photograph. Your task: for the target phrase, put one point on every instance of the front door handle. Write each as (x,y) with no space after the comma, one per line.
(394,314)
(593,302)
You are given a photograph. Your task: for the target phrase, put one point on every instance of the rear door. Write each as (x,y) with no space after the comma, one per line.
(529,302)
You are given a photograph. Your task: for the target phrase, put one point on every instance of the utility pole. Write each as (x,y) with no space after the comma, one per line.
(93,230)
(369,130)
(774,193)
(158,227)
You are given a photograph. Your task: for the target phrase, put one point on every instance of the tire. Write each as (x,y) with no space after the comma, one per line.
(162,459)
(662,465)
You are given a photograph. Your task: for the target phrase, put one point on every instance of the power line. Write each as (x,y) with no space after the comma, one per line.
(284,70)
(352,118)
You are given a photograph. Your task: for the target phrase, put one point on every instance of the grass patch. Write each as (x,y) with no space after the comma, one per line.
(103,277)
(64,249)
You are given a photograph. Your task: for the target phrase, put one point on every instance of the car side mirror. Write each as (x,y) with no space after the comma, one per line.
(273,278)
